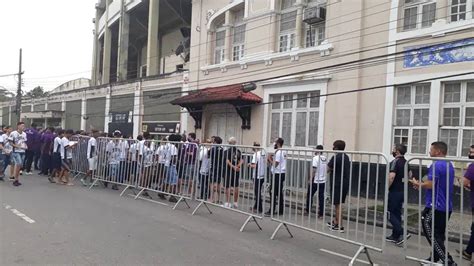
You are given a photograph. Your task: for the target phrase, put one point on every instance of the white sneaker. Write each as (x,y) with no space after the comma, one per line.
(227,205)
(235,206)
(28,173)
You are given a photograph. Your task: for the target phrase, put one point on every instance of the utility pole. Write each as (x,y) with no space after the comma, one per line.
(18,94)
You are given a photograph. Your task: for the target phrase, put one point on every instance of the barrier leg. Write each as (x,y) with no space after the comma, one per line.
(199,205)
(123,191)
(248,220)
(362,249)
(93,183)
(278,228)
(139,193)
(179,201)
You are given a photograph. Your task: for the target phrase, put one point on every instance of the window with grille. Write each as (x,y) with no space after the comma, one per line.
(238,42)
(411,119)
(219,47)
(287,4)
(295,118)
(457,117)
(419,14)
(287,31)
(315,34)
(461,10)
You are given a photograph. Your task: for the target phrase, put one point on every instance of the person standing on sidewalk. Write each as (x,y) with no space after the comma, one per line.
(46,151)
(2,157)
(278,162)
(33,142)
(259,163)
(317,182)
(396,193)
(91,157)
(438,208)
(7,152)
(468,182)
(18,141)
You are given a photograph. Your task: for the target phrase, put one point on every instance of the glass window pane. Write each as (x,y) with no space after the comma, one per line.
(314,100)
(220,38)
(467,141)
(469,119)
(419,140)
(403,95)
(422,94)
(421,117)
(313,128)
(300,139)
(470,91)
(400,136)
(452,93)
(450,137)
(276,101)
(288,21)
(286,127)
(403,117)
(428,15)
(275,126)
(302,100)
(409,20)
(239,34)
(288,101)
(451,116)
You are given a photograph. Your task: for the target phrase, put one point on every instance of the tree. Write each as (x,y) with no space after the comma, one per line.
(37,92)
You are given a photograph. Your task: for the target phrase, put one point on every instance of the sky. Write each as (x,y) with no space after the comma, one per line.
(56,37)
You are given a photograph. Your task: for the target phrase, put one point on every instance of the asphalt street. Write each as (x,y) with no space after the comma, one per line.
(49,224)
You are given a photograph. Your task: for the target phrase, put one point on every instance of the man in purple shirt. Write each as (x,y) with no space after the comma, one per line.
(46,151)
(469,184)
(439,202)
(32,142)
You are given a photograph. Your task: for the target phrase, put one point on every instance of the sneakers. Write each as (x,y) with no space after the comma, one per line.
(391,239)
(400,240)
(16,183)
(12,178)
(28,173)
(51,180)
(84,183)
(161,196)
(235,205)
(466,255)
(227,205)
(335,227)
(115,187)
(172,199)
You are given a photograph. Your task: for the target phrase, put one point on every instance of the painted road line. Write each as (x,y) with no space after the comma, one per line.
(343,256)
(20,214)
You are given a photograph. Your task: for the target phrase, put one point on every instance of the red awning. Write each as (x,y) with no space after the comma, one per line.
(225,94)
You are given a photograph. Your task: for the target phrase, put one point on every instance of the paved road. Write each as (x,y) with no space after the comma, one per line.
(73,225)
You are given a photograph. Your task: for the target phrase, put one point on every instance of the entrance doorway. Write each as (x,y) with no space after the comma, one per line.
(225,125)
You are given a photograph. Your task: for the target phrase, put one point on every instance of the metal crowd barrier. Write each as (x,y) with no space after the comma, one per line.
(438,227)
(79,156)
(232,177)
(361,176)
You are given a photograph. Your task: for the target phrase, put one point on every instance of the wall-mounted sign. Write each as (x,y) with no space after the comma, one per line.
(161,127)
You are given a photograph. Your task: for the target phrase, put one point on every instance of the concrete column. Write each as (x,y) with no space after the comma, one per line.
(46,119)
(63,120)
(83,112)
(184,116)
(228,37)
(209,51)
(137,109)
(10,116)
(152,60)
(107,48)
(299,27)
(122,61)
(107,110)
(272,44)
(95,49)
(435,106)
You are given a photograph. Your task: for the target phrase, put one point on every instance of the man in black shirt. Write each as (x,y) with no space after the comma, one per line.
(340,168)
(396,193)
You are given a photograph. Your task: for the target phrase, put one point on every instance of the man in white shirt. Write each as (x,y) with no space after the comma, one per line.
(18,141)
(278,162)
(259,163)
(204,170)
(161,172)
(7,151)
(2,156)
(171,154)
(56,157)
(317,181)
(66,158)
(114,151)
(91,156)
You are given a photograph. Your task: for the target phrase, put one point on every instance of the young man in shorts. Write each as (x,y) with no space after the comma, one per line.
(18,141)
(56,157)
(66,156)
(91,157)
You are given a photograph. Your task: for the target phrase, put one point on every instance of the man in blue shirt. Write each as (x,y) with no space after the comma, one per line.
(438,201)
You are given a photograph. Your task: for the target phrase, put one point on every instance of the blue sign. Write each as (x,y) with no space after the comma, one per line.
(446,53)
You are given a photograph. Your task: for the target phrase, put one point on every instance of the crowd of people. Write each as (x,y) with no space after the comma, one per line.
(171,165)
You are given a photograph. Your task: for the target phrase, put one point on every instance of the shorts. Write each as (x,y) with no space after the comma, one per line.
(188,172)
(92,163)
(66,164)
(337,197)
(215,177)
(233,180)
(113,170)
(56,161)
(171,175)
(18,158)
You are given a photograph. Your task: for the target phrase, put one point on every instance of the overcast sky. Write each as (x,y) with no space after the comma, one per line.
(56,37)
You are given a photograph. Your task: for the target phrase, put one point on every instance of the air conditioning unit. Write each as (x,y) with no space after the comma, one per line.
(314,14)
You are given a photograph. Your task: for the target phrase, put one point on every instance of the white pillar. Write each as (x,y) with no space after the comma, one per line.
(435,95)
(46,119)
(152,65)
(107,47)
(107,110)
(122,58)
(137,109)
(63,120)
(228,37)
(184,116)
(210,43)
(299,27)
(10,116)
(83,112)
